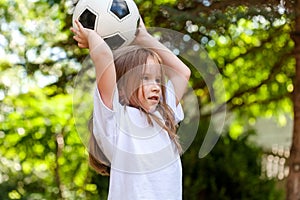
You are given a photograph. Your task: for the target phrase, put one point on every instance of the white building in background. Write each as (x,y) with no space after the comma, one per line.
(276,140)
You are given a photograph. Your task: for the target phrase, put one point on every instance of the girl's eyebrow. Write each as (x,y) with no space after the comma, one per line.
(146,73)
(150,74)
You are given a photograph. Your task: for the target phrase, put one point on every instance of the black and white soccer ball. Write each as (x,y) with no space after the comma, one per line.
(116,21)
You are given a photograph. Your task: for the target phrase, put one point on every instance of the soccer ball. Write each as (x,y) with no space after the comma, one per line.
(116,21)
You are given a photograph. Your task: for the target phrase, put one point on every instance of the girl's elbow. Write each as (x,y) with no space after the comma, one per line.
(187,73)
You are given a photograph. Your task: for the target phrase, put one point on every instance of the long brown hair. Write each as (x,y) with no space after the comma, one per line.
(97,159)
(129,63)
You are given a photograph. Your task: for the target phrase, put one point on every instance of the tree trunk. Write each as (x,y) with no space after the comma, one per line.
(293,180)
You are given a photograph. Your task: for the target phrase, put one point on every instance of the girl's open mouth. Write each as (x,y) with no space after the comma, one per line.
(153,98)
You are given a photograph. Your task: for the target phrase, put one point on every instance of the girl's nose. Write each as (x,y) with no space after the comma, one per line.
(155,88)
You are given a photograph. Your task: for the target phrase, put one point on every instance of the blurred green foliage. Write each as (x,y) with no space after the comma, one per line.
(41,153)
(231,171)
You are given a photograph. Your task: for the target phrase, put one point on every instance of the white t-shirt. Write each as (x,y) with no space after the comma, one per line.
(145,163)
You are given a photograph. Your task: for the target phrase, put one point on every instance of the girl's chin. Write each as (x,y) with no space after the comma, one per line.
(152,109)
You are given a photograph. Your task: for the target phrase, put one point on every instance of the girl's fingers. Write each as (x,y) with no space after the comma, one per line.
(142,24)
(79,28)
(75,37)
(79,39)
(73,30)
(79,25)
(76,33)
(80,35)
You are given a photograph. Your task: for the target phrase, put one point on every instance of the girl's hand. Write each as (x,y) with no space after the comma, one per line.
(142,35)
(81,35)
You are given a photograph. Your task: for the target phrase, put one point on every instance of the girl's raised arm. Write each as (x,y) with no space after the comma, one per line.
(178,73)
(102,58)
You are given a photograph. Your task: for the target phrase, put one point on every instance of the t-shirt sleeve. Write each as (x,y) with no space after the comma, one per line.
(171,101)
(104,125)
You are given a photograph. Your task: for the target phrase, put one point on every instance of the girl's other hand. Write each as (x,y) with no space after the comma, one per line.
(142,35)
(81,35)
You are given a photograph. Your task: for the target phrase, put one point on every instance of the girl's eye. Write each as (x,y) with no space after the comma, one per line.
(158,80)
(145,78)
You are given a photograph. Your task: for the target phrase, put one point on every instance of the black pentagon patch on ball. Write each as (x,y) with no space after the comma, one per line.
(115,41)
(119,8)
(87,19)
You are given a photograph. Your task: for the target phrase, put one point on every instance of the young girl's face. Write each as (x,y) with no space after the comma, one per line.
(149,93)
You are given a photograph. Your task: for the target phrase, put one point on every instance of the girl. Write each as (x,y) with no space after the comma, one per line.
(136,110)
